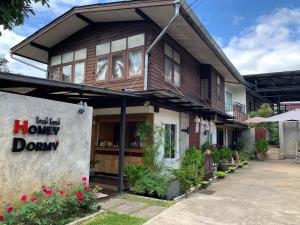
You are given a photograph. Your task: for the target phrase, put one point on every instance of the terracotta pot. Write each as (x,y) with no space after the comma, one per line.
(260,156)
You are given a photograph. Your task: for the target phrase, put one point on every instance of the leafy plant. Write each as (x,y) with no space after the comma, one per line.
(225,153)
(231,168)
(216,156)
(262,146)
(206,145)
(134,173)
(152,183)
(220,174)
(192,169)
(153,137)
(240,145)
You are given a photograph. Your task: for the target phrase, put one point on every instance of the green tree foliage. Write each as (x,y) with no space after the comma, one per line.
(13,12)
(3,65)
(264,110)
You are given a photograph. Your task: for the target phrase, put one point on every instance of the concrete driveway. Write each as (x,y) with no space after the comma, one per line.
(264,193)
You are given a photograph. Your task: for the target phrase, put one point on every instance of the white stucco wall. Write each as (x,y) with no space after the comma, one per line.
(165,116)
(238,92)
(289,135)
(26,171)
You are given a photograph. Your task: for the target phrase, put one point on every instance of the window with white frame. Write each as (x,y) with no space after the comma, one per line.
(69,67)
(170,141)
(120,59)
(172,65)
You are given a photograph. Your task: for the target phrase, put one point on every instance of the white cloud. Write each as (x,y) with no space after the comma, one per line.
(272,44)
(8,40)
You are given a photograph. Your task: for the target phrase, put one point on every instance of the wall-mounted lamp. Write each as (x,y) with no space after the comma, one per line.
(186,130)
(83,106)
(197,122)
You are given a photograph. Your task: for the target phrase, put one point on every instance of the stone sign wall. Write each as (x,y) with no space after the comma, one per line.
(41,142)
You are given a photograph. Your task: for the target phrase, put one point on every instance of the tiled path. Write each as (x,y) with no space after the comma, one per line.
(136,206)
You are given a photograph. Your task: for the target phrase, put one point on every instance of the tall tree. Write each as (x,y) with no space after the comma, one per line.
(13,12)
(3,65)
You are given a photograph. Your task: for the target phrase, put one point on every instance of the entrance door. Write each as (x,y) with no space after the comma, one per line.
(220,136)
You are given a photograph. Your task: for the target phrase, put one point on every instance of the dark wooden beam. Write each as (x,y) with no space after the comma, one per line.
(36,45)
(85,19)
(122,147)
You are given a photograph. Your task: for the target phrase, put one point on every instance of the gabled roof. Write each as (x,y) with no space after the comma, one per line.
(186,30)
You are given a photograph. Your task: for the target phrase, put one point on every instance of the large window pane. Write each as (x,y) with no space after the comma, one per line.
(177,75)
(168,70)
(118,45)
(176,57)
(67,73)
(118,68)
(55,73)
(102,68)
(103,49)
(56,60)
(79,73)
(135,63)
(168,51)
(67,57)
(80,54)
(136,41)
(170,138)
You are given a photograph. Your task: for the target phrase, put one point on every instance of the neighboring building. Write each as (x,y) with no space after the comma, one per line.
(179,76)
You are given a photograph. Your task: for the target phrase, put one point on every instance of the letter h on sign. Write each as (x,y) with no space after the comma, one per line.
(19,126)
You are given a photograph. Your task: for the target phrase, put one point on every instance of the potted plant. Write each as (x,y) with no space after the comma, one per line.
(231,169)
(204,184)
(221,174)
(93,164)
(261,148)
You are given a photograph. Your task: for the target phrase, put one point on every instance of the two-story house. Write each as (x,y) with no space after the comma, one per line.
(155,49)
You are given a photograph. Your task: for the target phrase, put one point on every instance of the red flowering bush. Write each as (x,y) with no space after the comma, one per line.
(51,206)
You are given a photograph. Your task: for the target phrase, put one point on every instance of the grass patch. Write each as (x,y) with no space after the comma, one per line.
(112,218)
(146,200)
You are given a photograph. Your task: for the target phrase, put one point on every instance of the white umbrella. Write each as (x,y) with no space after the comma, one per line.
(293,115)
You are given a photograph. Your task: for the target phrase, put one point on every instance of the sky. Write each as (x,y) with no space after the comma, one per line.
(257,36)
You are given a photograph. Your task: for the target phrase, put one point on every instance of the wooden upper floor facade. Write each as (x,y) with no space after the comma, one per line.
(110,52)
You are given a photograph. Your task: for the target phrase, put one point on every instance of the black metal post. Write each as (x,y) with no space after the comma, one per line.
(122,146)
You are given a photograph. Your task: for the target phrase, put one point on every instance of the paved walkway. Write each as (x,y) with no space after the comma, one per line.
(264,193)
(137,206)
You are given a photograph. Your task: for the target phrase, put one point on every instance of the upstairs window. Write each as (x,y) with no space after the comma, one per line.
(219,88)
(120,59)
(69,67)
(172,66)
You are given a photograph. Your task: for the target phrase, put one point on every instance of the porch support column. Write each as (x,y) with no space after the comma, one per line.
(121,146)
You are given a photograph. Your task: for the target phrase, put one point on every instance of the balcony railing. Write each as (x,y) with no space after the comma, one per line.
(237,110)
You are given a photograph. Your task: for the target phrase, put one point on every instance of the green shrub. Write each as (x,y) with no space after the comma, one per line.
(50,206)
(206,145)
(232,168)
(220,174)
(192,169)
(225,153)
(152,183)
(204,182)
(216,156)
(261,146)
(245,155)
(134,173)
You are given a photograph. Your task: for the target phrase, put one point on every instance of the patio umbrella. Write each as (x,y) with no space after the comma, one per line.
(293,115)
(255,120)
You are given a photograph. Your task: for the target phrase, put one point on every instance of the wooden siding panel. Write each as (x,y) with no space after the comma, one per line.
(194,138)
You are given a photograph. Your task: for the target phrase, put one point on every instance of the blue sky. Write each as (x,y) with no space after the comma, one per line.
(257,36)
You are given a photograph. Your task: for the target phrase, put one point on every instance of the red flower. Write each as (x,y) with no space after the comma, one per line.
(24,198)
(61,192)
(86,188)
(48,192)
(79,196)
(84,179)
(9,209)
(33,199)
(1,218)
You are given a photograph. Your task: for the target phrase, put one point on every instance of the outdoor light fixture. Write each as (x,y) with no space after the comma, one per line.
(83,106)
(197,122)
